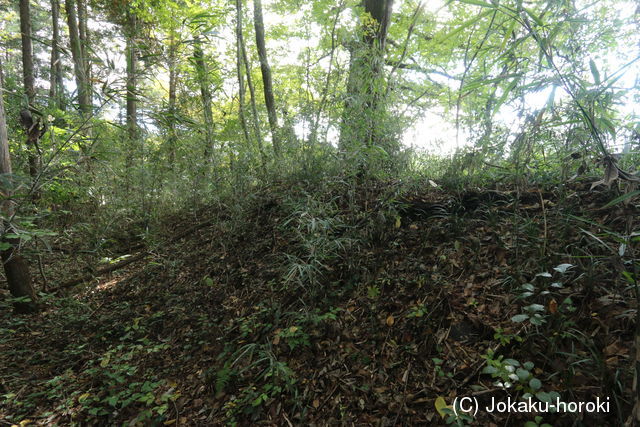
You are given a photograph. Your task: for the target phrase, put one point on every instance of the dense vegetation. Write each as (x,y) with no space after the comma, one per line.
(311,213)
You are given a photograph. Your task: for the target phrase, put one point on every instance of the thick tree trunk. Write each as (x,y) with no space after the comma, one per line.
(56,88)
(205,93)
(15,267)
(79,66)
(32,126)
(266,75)
(380,11)
(360,123)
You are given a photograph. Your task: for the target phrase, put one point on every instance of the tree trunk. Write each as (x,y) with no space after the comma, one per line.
(361,117)
(31,125)
(266,75)
(15,267)
(56,88)
(131,96)
(205,93)
(313,135)
(79,67)
(132,78)
(173,84)
(252,92)
(239,65)
(85,47)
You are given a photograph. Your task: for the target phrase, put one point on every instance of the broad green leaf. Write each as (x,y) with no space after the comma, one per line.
(489,370)
(543,396)
(522,374)
(537,320)
(562,268)
(535,384)
(528,287)
(519,318)
(105,360)
(441,405)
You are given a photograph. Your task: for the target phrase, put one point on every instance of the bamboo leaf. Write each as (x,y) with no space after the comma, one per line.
(622,198)
(504,96)
(594,72)
(534,17)
(508,34)
(465,25)
(478,3)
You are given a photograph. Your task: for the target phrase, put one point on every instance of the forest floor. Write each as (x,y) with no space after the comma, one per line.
(369,307)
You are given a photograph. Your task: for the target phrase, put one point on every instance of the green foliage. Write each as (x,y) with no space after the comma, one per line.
(509,373)
(537,423)
(536,293)
(316,225)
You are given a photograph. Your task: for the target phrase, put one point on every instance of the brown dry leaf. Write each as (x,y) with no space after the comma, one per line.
(390,320)
(405,376)
(316,403)
(615,348)
(612,361)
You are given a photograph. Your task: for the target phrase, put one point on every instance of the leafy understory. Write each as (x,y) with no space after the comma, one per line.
(432,296)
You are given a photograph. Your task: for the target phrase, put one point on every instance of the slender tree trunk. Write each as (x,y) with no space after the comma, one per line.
(131,95)
(239,66)
(132,79)
(205,93)
(56,88)
(266,75)
(27,51)
(15,267)
(85,47)
(79,67)
(173,84)
(31,124)
(313,136)
(252,92)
